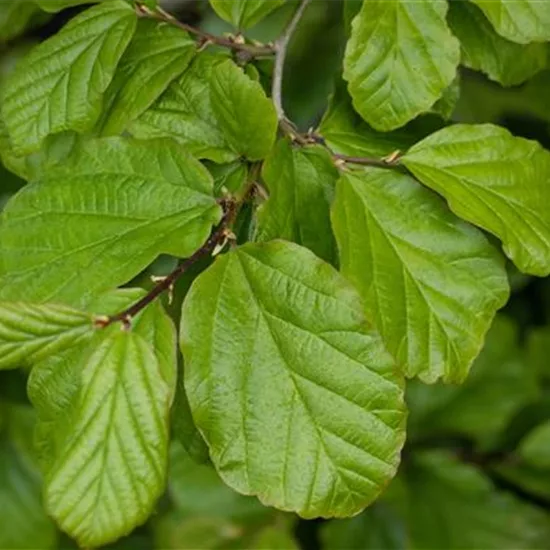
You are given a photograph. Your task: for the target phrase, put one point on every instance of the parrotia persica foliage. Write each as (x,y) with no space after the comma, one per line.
(310,275)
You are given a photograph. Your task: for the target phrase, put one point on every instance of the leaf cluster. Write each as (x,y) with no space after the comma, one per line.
(213,321)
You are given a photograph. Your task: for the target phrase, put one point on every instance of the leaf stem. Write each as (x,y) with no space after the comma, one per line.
(281,46)
(252,51)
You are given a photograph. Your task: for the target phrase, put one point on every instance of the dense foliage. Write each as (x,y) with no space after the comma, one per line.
(231,304)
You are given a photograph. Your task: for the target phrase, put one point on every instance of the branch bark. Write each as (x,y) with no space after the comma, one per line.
(249,49)
(217,238)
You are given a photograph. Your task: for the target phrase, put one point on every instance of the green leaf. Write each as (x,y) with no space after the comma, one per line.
(30,332)
(157,55)
(499,379)
(378,527)
(158,330)
(432,300)
(105,213)
(301,183)
(391,43)
(54,383)
(9,159)
(228,178)
(471,512)
(521,21)
(58,5)
(197,491)
(446,104)
(246,116)
(297,400)
(112,468)
(174,532)
(55,151)
(244,13)
(15,17)
(52,387)
(185,113)
(348,134)
(274,538)
(535,447)
(60,84)
(24,523)
(494,180)
(484,50)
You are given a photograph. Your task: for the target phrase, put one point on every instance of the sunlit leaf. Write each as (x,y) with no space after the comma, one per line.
(494,180)
(432,300)
(391,43)
(105,213)
(280,365)
(60,84)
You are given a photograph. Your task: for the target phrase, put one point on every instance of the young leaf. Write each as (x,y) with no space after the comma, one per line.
(24,521)
(60,84)
(500,377)
(244,13)
(227,177)
(246,116)
(295,397)
(54,383)
(157,329)
(494,180)
(185,113)
(157,55)
(521,21)
(112,469)
(484,50)
(472,512)
(52,388)
(301,183)
(432,299)
(30,332)
(391,43)
(105,213)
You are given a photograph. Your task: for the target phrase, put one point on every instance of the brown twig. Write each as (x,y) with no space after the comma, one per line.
(252,51)
(217,238)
